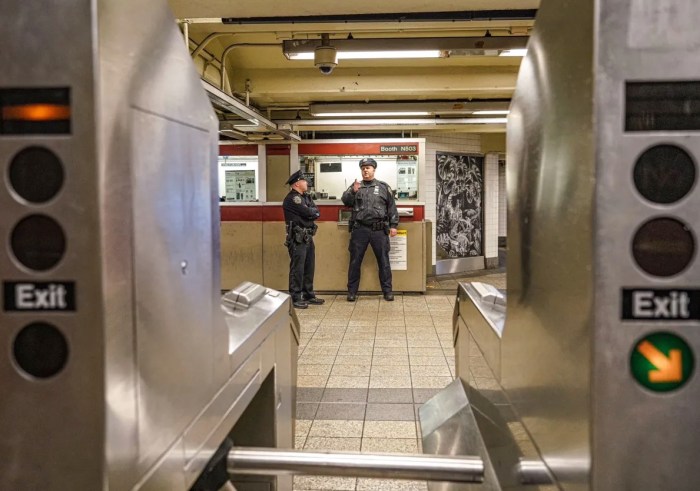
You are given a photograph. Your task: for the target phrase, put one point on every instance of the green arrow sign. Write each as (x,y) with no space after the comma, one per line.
(662,362)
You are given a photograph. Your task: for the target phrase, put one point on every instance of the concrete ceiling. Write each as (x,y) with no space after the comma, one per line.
(281,89)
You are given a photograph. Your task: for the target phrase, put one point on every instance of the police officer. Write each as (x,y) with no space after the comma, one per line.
(374,219)
(300,211)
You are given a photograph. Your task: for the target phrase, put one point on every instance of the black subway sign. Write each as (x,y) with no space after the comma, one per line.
(38,296)
(662,305)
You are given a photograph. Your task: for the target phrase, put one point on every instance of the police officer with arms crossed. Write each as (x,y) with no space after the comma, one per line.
(300,211)
(374,219)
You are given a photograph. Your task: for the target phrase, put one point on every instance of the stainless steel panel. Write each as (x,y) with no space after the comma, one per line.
(172,280)
(459,265)
(485,320)
(66,410)
(148,391)
(546,348)
(654,445)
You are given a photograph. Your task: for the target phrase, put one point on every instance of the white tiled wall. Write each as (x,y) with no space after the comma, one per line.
(463,143)
(502,207)
(491,198)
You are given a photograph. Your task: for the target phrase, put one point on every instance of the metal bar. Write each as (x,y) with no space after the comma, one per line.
(390,466)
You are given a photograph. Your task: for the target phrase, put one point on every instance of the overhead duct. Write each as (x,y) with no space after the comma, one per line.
(258,122)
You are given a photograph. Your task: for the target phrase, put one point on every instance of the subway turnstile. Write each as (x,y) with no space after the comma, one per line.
(590,381)
(121,367)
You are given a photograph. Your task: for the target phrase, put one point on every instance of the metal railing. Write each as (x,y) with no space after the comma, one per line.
(269,461)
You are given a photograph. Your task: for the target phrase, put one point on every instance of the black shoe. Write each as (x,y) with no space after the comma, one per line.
(300,304)
(351,297)
(389,297)
(315,301)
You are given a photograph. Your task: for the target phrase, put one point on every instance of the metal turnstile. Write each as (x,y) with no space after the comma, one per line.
(590,381)
(119,367)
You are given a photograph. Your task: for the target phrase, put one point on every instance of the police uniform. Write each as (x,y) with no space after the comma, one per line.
(300,211)
(373,214)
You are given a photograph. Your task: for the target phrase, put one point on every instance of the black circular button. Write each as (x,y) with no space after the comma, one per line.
(40,350)
(36,174)
(663,246)
(664,174)
(38,242)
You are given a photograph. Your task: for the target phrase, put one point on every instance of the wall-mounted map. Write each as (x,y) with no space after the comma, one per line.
(460,186)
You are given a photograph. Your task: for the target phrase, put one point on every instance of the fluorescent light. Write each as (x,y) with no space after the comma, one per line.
(514,52)
(373,113)
(491,112)
(421,47)
(391,122)
(370,55)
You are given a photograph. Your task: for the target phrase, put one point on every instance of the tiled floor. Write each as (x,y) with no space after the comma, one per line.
(364,370)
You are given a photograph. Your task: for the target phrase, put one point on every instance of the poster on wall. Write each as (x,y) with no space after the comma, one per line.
(460,185)
(398,253)
(240,185)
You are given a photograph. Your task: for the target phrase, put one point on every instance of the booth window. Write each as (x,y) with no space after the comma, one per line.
(238,178)
(330,175)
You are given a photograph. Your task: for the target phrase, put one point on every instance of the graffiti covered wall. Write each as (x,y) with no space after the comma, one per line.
(460,185)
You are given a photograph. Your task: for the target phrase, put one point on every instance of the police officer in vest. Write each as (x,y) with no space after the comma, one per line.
(300,211)
(374,219)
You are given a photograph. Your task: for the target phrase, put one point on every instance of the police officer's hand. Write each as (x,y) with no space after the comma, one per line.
(355,186)
(392,232)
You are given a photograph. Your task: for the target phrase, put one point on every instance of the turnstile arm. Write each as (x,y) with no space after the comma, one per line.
(422,467)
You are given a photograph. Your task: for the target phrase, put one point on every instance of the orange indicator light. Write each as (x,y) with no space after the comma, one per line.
(36,112)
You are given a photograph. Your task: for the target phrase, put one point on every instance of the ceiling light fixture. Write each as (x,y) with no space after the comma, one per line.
(368,48)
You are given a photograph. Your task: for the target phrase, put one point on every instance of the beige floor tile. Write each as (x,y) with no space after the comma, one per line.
(299,442)
(365,343)
(390,371)
(428,360)
(430,371)
(324,370)
(318,483)
(391,343)
(301,427)
(345,382)
(424,342)
(421,382)
(320,350)
(389,429)
(354,360)
(394,321)
(425,351)
(389,360)
(364,484)
(333,444)
(390,351)
(354,350)
(334,322)
(316,359)
(392,382)
(390,445)
(311,380)
(336,428)
(328,341)
(351,370)
(362,323)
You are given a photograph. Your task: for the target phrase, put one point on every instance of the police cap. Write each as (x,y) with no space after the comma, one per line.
(368,161)
(297,176)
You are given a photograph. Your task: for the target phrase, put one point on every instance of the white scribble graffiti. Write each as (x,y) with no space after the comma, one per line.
(459,192)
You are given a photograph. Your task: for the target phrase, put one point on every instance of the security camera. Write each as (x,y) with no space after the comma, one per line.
(325,59)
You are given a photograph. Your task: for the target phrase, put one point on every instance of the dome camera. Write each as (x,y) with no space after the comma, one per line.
(325,59)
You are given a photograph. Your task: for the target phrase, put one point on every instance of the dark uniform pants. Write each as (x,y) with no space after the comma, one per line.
(359,239)
(301,270)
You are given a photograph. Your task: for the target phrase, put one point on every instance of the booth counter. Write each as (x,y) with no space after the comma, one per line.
(252,248)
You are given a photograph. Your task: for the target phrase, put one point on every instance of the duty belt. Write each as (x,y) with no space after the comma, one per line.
(380,225)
